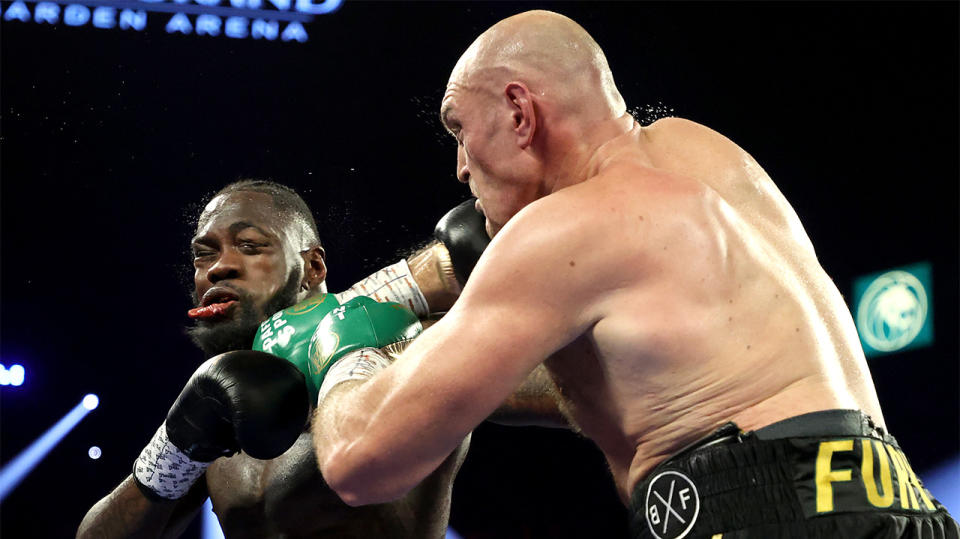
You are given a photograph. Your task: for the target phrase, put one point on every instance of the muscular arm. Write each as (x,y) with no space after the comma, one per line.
(534,402)
(399,426)
(127,513)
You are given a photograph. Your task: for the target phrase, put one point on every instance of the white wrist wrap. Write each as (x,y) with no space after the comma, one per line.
(393,283)
(164,469)
(360,364)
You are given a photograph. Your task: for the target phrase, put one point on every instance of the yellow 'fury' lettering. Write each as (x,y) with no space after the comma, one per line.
(908,482)
(908,500)
(912,495)
(869,483)
(825,476)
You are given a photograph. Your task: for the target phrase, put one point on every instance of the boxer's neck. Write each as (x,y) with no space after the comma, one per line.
(586,149)
(623,137)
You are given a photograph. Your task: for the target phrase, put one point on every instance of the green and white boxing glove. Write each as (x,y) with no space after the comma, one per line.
(287,334)
(353,340)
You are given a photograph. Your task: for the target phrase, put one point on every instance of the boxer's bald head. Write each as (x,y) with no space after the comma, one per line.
(552,54)
(528,102)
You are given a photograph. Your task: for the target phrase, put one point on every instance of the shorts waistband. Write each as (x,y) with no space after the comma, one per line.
(805,467)
(823,424)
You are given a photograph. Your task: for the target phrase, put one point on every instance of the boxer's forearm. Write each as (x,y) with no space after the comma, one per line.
(127,513)
(461,239)
(381,438)
(343,423)
(424,282)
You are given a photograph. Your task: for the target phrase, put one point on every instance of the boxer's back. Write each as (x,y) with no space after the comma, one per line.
(724,313)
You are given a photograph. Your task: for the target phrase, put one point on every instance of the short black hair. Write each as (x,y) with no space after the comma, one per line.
(285,199)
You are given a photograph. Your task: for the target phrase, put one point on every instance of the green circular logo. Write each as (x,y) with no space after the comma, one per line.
(892,311)
(307,306)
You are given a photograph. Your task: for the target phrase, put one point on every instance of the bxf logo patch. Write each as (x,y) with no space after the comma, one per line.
(672,505)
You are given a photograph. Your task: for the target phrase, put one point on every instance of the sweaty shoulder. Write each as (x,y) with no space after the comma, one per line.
(595,234)
(695,151)
(690,134)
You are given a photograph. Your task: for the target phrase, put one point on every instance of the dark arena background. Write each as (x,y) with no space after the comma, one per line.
(117,122)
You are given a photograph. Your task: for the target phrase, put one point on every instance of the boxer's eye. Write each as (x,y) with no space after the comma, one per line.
(201,251)
(250,247)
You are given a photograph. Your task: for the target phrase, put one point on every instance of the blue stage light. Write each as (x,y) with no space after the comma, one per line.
(91,401)
(943,483)
(25,462)
(211,526)
(4,376)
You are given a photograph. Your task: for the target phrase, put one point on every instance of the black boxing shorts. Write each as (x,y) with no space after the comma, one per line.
(829,474)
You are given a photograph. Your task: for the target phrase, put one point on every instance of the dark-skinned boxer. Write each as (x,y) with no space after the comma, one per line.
(256,251)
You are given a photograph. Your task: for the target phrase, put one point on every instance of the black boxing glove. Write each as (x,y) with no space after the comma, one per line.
(463,232)
(242,400)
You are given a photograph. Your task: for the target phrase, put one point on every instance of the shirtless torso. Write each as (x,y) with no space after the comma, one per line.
(672,290)
(722,311)
(668,288)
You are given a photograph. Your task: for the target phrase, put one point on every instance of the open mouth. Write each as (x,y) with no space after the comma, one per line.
(218,294)
(216,303)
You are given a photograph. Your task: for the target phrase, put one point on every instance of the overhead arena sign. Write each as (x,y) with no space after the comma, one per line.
(239,19)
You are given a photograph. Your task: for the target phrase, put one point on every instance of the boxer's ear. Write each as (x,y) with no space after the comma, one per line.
(314,268)
(524,113)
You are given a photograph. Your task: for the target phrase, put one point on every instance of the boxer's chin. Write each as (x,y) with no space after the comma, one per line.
(237,330)
(225,334)
(491,228)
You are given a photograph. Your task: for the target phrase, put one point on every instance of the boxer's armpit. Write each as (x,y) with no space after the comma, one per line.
(535,403)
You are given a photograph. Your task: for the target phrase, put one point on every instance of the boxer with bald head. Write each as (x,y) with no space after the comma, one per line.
(676,301)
